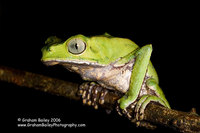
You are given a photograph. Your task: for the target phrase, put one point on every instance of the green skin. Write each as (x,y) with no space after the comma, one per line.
(102,51)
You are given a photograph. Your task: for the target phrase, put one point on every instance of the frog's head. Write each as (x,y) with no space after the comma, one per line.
(77,49)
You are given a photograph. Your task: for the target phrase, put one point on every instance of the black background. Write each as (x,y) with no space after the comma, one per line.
(172,28)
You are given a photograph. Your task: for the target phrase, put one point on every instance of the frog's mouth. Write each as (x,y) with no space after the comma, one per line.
(75,62)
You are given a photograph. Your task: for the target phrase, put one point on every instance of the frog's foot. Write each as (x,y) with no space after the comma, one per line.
(125,112)
(92,94)
(132,115)
(143,102)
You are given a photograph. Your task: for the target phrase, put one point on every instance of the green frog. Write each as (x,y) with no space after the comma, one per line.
(114,63)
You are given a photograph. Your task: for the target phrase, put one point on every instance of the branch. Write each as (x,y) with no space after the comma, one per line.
(155,114)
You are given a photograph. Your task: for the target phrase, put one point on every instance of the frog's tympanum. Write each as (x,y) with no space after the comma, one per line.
(111,63)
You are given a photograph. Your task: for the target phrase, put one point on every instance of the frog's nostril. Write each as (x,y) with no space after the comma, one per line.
(48,48)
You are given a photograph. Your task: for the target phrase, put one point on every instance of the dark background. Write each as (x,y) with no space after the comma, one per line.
(172,28)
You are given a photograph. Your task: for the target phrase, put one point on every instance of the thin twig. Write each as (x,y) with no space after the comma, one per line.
(155,114)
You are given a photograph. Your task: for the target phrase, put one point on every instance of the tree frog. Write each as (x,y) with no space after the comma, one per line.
(114,63)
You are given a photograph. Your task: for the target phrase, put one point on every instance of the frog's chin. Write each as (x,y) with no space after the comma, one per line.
(50,63)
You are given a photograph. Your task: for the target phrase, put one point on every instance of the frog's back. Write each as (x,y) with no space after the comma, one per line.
(114,47)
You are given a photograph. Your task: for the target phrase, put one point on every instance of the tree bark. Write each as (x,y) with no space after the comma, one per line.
(154,113)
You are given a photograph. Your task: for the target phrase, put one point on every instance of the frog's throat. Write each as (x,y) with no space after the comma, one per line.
(111,76)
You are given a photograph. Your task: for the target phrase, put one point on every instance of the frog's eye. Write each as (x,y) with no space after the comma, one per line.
(76,46)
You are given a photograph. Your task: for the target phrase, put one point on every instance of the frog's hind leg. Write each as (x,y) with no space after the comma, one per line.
(143,102)
(92,94)
(153,85)
(158,97)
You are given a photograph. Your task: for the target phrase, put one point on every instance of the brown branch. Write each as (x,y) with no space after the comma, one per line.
(155,114)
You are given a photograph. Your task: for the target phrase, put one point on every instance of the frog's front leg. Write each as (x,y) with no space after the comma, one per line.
(137,76)
(92,94)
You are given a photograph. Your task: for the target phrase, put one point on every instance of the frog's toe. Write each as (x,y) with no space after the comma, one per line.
(92,94)
(125,112)
(143,102)
(119,111)
(138,111)
(139,116)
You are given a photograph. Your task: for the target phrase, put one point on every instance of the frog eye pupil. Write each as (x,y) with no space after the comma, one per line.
(76,46)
